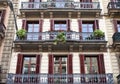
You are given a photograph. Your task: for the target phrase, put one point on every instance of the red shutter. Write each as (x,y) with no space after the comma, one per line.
(68,24)
(41,25)
(80,25)
(51,61)
(51,25)
(70,66)
(19,64)
(82,66)
(3,16)
(24,24)
(38,63)
(101,64)
(96,26)
(115,25)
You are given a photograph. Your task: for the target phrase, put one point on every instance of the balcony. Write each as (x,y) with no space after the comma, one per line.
(114,9)
(116,41)
(60,79)
(2,31)
(75,41)
(60,9)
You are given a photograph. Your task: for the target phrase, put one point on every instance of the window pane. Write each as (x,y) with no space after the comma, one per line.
(84,28)
(118,26)
(60,25)
(29,65)
(30,27)
(36,27)
(87,27)
(91,65)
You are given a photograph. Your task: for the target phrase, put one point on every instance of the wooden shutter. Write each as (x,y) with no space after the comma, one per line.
(68,24)
(24,26)
(115,25)
(80,25)
(96,25)
(70,62)
(82,66)
(19,64)
(41,25)
(38,63)
(51,62)
(101,64)
(51,25)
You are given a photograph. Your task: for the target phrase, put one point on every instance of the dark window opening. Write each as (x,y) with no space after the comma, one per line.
(60,25)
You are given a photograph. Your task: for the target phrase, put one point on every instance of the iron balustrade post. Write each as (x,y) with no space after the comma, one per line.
(10,78)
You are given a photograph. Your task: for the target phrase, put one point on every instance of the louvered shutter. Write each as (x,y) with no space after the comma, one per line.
(38,63)
(19,64)
(101,64)
(70,62)
(51,62)
(82,66)
(51,25)
(24,26)
(68,24)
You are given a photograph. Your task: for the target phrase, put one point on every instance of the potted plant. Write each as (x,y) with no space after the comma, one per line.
(98,34)
(60,38)
(21,33)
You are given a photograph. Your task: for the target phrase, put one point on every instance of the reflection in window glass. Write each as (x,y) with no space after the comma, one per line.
(118,27)
(29,65)
(33,29)
(91,65)
(60,25)
(87,27)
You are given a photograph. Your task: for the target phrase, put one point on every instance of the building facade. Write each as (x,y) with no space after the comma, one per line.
(4,14)
(65,42)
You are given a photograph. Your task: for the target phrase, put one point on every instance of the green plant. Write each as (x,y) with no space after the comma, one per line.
(98,33)
(21,33)
(60,38)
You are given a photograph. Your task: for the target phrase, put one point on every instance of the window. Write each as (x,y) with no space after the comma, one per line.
(92,64)
(60,65)
(29,65)
(60,25)
(118,26)
(87,28)
(33,29)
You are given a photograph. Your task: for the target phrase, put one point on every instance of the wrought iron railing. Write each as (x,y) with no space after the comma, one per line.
(114,5)
(116,36)
(60,79)
(72,5)
(118,79)
(51,36)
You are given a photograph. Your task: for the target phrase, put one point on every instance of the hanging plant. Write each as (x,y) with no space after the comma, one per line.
(21,33)
(98,33)
(60,38)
